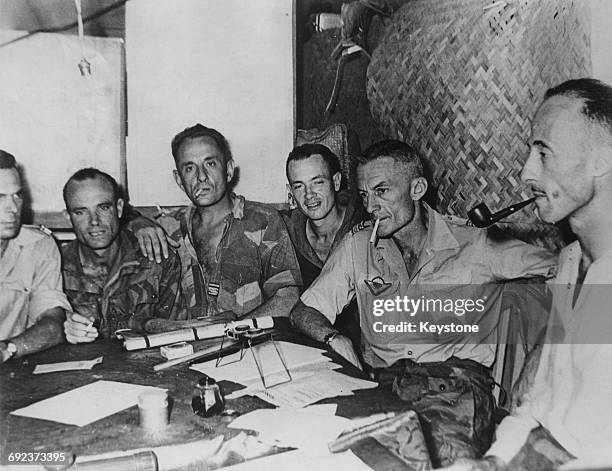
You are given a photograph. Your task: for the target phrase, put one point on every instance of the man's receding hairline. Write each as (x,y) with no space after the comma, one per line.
(395,160)
(211,139)
(575,103)
(96,177)
(14,169)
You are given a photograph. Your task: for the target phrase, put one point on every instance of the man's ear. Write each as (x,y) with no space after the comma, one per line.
(229,166)
(290,198)
(120,205)
(66,215)
(337,178)
(177,179)
(602,160)
(418,188)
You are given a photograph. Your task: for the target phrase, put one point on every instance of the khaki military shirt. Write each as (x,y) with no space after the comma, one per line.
(30,281)
(453,255)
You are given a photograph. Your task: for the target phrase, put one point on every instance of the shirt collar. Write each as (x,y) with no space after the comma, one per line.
(296,225)
(237,209)
(127,253)
(439,236)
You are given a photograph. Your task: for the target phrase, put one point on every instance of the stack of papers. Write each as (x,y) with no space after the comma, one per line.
(312,388)
(313,378)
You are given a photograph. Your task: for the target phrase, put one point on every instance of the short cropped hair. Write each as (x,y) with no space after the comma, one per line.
(91,173)
(7,160)
(200,131)
(398,151)
(307,150)
(596,96)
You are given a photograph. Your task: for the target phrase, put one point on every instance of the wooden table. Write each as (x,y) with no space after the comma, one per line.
(121,431)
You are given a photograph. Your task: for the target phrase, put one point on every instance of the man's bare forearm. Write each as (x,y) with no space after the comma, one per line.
(46,333)
(278,305)
(311,322)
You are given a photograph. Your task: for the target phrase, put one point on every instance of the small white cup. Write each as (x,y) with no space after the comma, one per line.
(153,409)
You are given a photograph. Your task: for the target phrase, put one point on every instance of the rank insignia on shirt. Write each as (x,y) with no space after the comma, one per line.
(360,226)
(377,285)
(213,289)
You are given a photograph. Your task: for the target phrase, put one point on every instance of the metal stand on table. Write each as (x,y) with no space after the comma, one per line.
(248,337)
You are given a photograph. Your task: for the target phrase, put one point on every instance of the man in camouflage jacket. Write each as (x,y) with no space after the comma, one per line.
(236,254)
(109,284)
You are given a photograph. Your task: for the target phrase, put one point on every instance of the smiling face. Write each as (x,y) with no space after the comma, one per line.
(202,172)
(389,193)
(313,187)
(94,212)
(11,201)
(559,168)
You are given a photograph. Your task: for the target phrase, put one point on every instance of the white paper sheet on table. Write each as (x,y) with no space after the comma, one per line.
(311,428)
(66,366)
(245,370)
(86,404)
(253,386)
(310,389)
(298,460)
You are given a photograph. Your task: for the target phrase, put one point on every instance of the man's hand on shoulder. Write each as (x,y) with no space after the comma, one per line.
(152,238)
(79,329)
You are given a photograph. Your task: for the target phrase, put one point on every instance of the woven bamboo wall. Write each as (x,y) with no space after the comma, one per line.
(461,82)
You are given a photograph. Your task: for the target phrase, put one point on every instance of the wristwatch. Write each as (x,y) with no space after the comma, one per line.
(11,348)
(329,337)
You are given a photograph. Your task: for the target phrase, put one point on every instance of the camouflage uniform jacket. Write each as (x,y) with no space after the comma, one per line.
(254,259)
(135,290)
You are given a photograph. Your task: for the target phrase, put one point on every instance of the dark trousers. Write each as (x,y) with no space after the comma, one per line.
(454,402)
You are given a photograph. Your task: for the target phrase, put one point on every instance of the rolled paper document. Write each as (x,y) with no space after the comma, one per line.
(194,333)
(374,231)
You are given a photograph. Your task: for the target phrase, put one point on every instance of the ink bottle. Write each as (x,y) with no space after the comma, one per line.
(207,398)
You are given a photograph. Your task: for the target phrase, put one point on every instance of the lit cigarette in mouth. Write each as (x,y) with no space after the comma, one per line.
(374,231)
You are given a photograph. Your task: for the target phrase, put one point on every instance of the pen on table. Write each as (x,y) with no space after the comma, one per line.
(374,231)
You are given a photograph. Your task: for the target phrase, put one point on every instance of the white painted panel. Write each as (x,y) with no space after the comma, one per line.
(601,39)
(226,64)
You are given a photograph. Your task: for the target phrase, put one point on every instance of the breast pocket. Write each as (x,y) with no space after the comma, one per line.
(17,296)
(138,300)
(145,294)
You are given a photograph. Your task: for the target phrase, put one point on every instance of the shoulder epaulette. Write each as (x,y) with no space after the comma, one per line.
(40,229)
(45,230)
(456,220)
(360,226)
